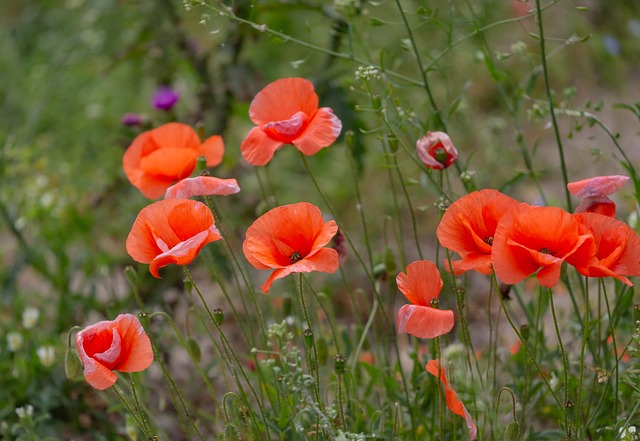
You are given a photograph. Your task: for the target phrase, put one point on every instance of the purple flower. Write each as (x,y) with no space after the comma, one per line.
(131,119)
(165,98)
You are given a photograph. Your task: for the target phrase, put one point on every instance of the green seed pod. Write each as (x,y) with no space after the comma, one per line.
(194,348)
(512,433)
(525,331)
(201,164)
(72,364)
(307,336)
(218,316)
(389,260)
(380,271)
(339,362)
(435,303)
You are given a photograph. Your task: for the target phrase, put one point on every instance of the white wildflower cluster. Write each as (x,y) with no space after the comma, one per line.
(24,411)
(442,203)
(403,113)
(47,355)
(467,175)
(628,434)
(366,73)
(14,341)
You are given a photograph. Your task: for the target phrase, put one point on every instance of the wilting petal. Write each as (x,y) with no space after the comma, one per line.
(597,204)
(421,283)
(321,132)
(202,186)
(453,402)
(424,321)
(597,186)
(257,148)
(282,99)
(325,260)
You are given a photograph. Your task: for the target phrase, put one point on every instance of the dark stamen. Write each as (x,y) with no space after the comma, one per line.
(488,240)
(295,256)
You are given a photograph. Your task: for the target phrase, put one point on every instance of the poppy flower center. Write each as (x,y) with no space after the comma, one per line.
(286,130)
(547,251)
(295,257)
(440,154)
(488,240)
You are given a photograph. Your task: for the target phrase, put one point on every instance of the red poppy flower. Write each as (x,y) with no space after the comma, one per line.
(286,112)
(202,186)
(290,239)
(118,345)
(171,231)
(530,238)
(468,227)
(421,284)
(453,402)
(160,157)
(613,252)
(594,192)
(436,150)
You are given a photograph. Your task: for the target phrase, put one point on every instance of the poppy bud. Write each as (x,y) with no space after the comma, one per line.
(512,433)
(435,303)
(230,433)
(194,348)
(436,150)
(524,332)
(72,364)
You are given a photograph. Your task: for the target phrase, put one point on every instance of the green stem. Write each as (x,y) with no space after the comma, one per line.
(585,337)
(131,412)
(556,130)
(565,365)
(313,361)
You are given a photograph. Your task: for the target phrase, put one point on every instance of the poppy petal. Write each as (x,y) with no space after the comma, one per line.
(324,260)
(213,149)
(184,252)
(424,322)
(453,402)
(98,376)
(597,204)
(174,134)
(421,283)
(170,164)
(257,148)
(321,132)
(137,350)
(202,186)
(597,186)
(282,99)
(472,261)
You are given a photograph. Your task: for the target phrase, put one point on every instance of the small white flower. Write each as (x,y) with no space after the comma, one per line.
(14,341)
(47,355)
(366,73)
(30,317)
(24,411)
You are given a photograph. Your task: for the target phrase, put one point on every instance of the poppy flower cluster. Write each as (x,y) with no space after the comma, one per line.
(492,231)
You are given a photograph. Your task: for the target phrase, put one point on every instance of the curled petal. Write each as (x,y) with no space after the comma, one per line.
(213,149)
(453,402)
(325,260)
(421,283)
(202,186)
(424,321)
(321,132)
(282,99)
(597,186)
(184,252)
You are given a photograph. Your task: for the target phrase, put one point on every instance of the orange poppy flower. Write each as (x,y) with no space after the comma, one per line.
(594,192)
(468,227)
(613,252)
(160,157)
(171,231)
(291,239)
(421,284)
(453,402)
(202,186)
(286,112)
(118,345)
(436,150)
(530,238)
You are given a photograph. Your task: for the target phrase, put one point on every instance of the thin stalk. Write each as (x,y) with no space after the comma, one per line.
(138,407)
(615,346)
(585,337)
(556,130)
(313,361)
(227,344)
(565,365)
(142,425)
